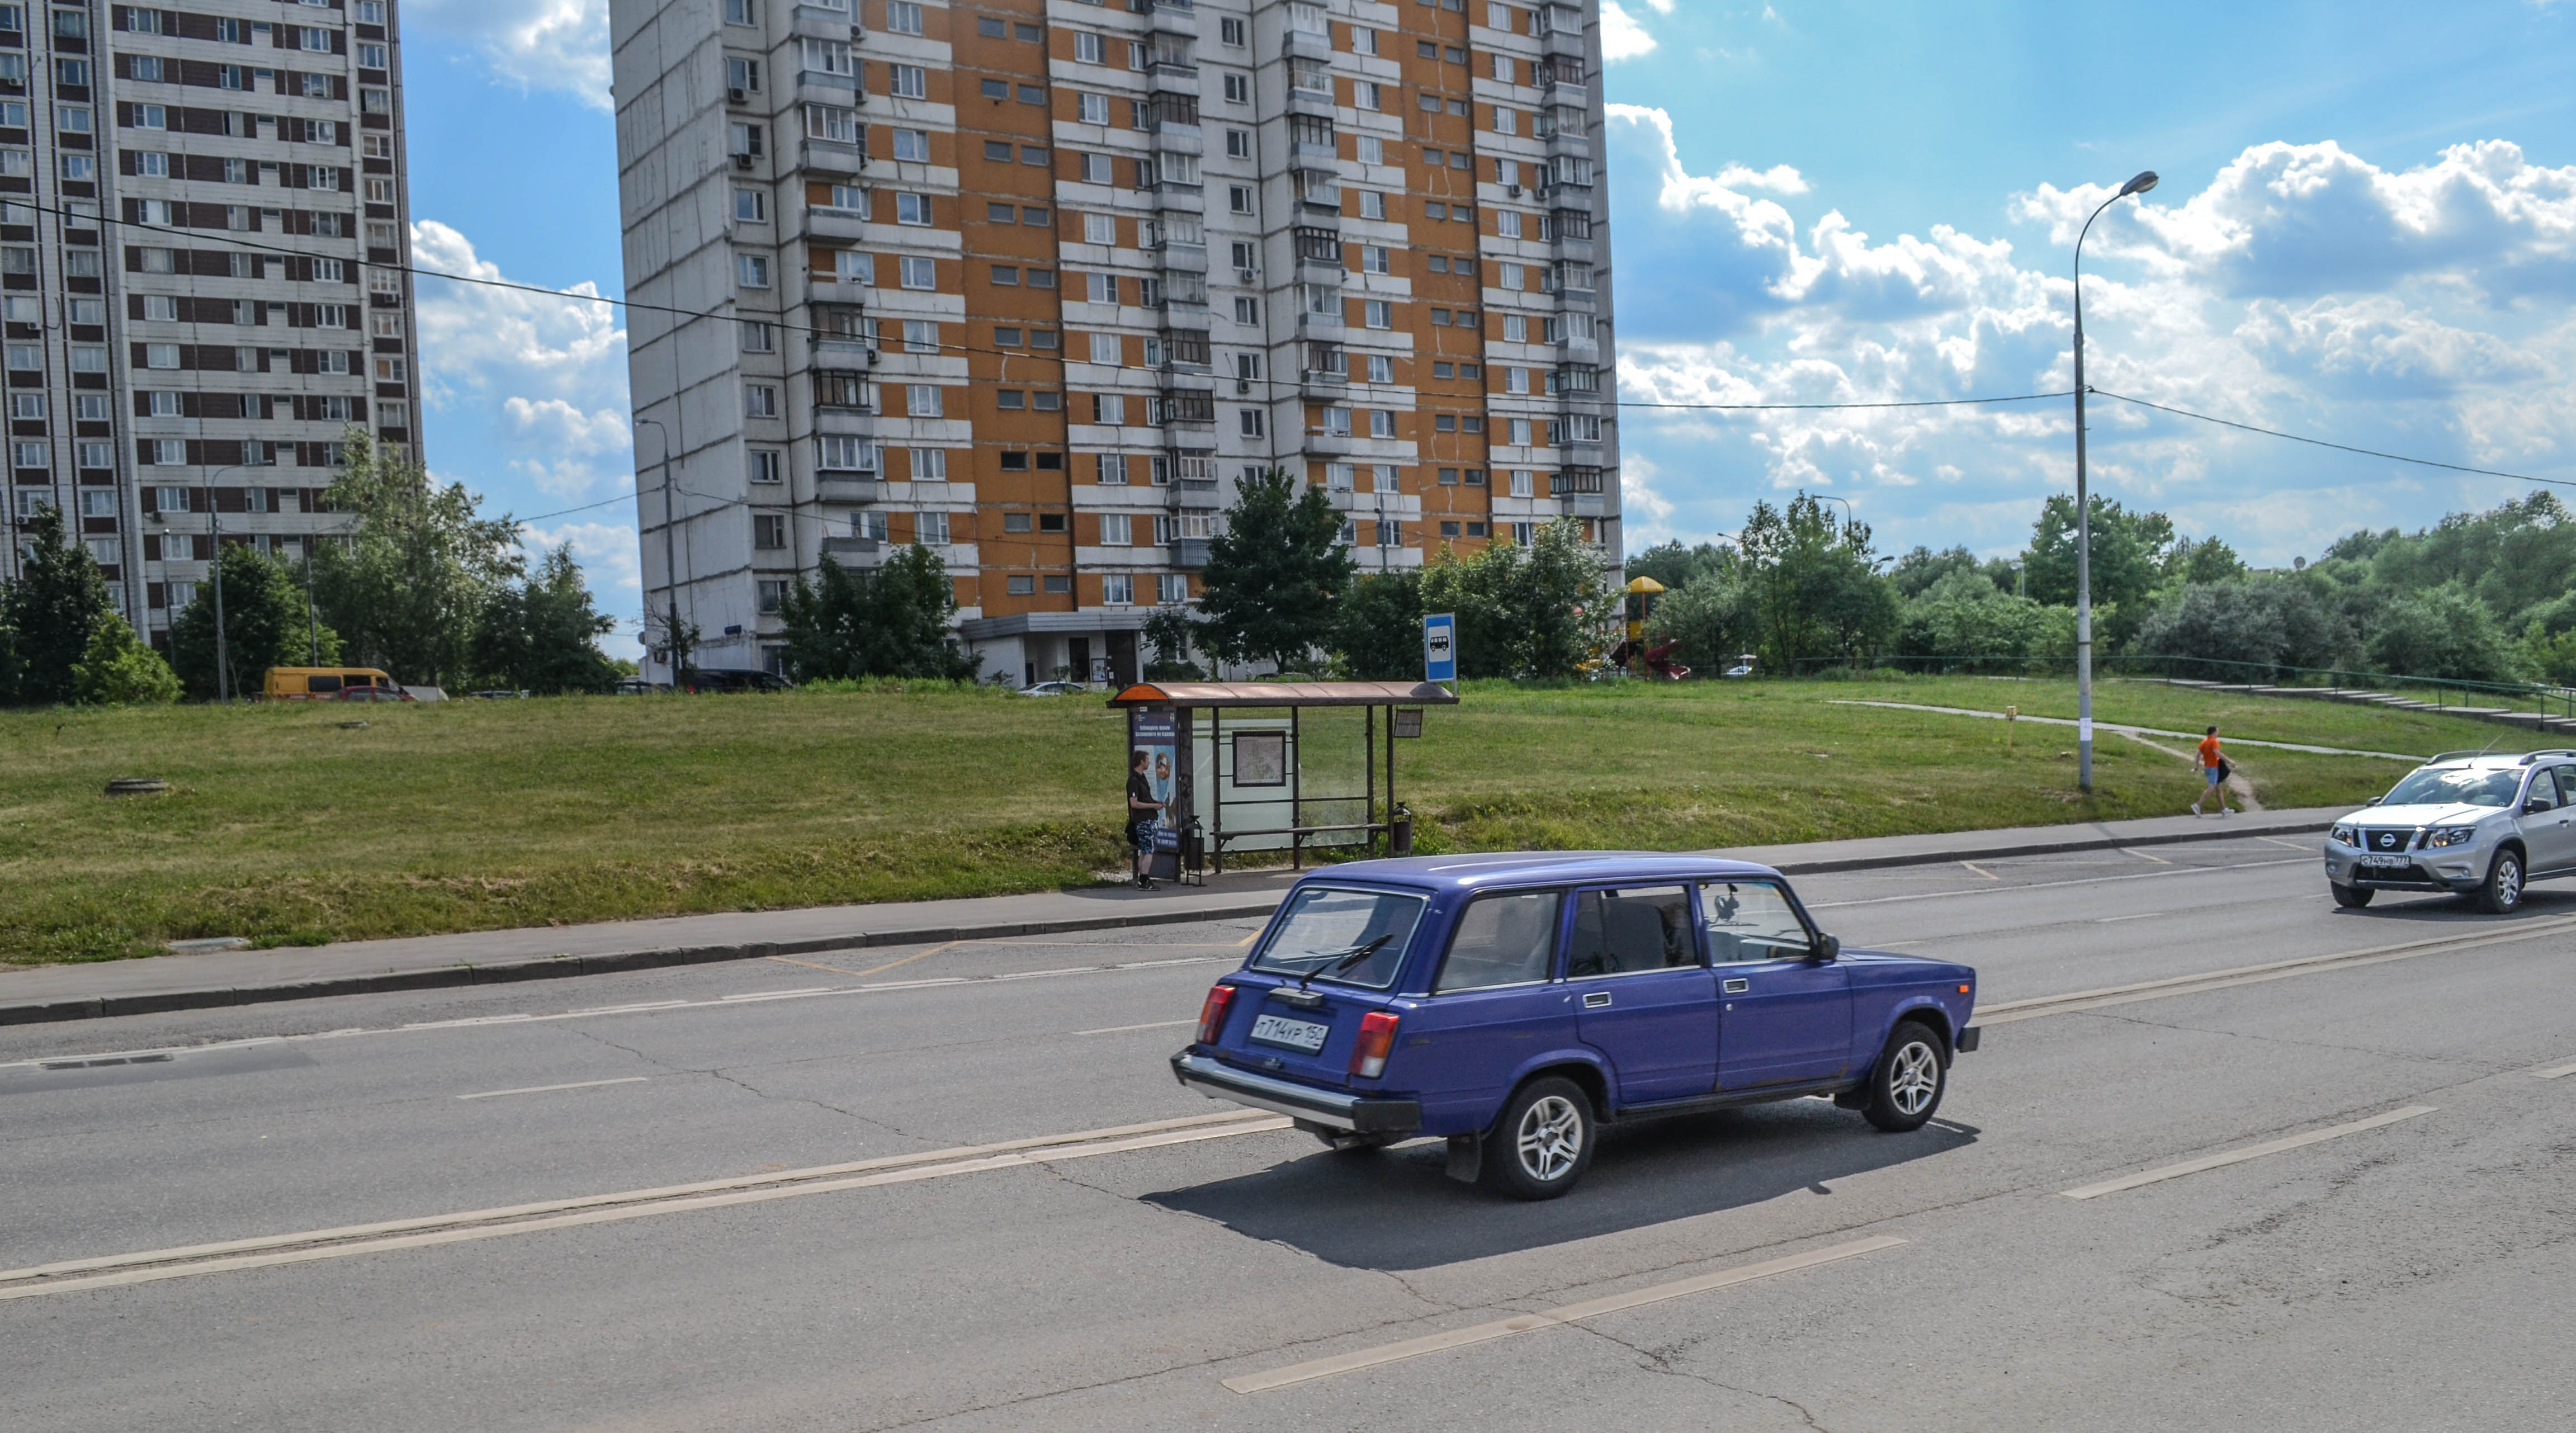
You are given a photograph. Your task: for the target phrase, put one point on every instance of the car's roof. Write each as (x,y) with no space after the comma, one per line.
(1515,868)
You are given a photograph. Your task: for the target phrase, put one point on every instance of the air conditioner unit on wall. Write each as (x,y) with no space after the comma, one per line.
(1243,275)
(742,161)
(734,96)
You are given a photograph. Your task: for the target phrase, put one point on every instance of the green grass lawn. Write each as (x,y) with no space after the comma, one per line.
(286,826)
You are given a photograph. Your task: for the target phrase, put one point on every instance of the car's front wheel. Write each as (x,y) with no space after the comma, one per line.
(2351,898)
(1906,1084)
(1543,1142)
(2502,892)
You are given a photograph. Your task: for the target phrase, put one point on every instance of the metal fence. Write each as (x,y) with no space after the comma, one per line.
(2538,697)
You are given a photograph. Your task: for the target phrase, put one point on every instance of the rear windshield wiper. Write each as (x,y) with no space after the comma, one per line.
(1342,960)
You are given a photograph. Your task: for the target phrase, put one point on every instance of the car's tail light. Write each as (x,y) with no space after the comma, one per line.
(1212,1014)
(1377,1036)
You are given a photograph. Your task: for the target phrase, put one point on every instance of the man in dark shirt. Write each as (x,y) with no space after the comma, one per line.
(1141,808)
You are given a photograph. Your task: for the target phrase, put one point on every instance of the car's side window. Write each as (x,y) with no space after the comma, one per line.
(2566,785)
(1751,921)
(2544,792)
(1632,929)
(1506,939)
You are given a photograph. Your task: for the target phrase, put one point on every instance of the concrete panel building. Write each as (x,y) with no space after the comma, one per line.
(1031,282)
(186,199)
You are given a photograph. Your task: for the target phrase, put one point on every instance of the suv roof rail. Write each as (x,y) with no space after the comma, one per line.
(2529,757)
(2450,756)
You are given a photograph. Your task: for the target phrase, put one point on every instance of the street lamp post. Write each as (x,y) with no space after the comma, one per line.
(2140,184)
(670,550)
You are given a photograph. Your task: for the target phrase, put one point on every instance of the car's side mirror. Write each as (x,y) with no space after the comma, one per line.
(1828,946)
(2533,807)
(2371,802)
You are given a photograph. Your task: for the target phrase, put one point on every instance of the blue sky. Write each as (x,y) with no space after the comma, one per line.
(2366,232)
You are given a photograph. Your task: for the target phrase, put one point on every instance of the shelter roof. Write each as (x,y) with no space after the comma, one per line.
(1285,694)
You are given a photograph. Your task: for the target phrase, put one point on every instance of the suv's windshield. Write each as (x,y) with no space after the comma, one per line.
(1361,932)
(2456,786)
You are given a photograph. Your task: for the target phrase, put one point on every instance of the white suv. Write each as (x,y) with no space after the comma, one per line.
(2465,823)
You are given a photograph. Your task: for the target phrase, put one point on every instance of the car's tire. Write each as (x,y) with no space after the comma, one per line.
(2501,894)
(1907,1082)
(1543,1143)
(2351,898)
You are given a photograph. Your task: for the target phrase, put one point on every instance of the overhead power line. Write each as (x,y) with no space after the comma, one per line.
(2339,447)
(1810,407)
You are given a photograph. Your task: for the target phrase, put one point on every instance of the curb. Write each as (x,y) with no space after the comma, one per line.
(564,967)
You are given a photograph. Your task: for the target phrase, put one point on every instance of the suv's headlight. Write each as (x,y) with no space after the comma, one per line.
(2345,836)
(2451,836)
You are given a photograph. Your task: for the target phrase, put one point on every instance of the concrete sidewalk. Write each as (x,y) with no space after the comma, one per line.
(243,977)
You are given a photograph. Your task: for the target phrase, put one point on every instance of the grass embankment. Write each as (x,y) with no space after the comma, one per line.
(286,826)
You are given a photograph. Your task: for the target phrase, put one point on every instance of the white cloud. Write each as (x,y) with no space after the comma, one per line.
(2304,288)
(538,377)
(1622,38)
(541,44)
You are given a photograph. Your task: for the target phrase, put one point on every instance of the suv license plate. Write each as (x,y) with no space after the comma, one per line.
(1303,1035)
(2387,863)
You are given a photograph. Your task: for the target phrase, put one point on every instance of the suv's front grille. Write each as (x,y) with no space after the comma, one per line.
(2386,842)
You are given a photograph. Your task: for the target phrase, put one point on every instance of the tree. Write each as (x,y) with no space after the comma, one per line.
(890,622)
(2443,632)
(2128,552)
(1379,634)
(1170,632)
(408,589)
(265,625)
(1275,576)
(1916,571)
(2262,623)
(1815,583)
(542,635)
(52,611)
(2205,561)
(1713,619)
(1963,615)
(1530,611)
(118,669)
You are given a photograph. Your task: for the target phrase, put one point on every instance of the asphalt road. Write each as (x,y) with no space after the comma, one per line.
(2416,1273)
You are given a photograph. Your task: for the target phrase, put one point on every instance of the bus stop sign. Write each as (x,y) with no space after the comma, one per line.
(1440,648)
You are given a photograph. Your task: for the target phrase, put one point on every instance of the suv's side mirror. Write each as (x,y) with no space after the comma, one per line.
(2371,802)
(1828,946)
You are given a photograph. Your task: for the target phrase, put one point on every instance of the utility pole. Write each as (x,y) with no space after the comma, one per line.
(2140,184)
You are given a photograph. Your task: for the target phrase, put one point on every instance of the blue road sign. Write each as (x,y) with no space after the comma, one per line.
(1440,648)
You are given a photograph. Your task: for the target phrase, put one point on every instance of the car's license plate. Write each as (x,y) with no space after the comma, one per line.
(2387,863)
(1289,1034)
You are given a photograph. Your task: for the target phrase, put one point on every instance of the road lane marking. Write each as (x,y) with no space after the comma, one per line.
(2037,1006)
(527,1018)
(1551,1318)
(1123,1029)
(2293,845)
(1980,870)
(269,1251)
(2555,1071)
(2140,916)
(2051,885)
(2143,856)
(2239,1156)
(550,1089)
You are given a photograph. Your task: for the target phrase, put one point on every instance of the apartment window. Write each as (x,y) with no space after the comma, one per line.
(766,466)
(912,209)
(832,123)
(868,525)
(846,455)
(921,400)
(166,453)
(1117,530)
(769,531)
(751,270)
(758,337)
(903,17)
(1055,583)
(909,82)
(912,144)
(1518,433)
(751,206)
(919,273)
(1381,423)
(1087,48)
(996,91)
(759,400)
(1238,89)
(1096,169)
(1247,310)
(161,355)
(930,465)
(1092,109)
(1238,144)
(1117,589)
(1515,327)
(1372,204)
(1020,584)
(1248,422)
(1378,313)
(1006,276)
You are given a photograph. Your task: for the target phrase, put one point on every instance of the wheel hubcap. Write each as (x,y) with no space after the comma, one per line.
(1550,1137)
(1914,1078)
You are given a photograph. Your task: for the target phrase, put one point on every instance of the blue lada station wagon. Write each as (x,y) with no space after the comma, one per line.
(1516,1003)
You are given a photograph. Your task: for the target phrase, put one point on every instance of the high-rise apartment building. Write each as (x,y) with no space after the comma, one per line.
(186,196)
(1032,281)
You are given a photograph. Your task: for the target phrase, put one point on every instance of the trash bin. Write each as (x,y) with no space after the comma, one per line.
(1399,833)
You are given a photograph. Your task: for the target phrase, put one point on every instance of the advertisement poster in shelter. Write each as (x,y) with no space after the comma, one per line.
(1156,735)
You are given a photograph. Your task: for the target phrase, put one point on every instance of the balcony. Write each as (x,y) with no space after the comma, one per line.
(1184,258)
(1196,495)
(1324,444)
(1172,75)
(832,156)
(1172,17)
(1307,45)
(849,487)
(1562,42)
(841,226)
(865,547)
(1189,553)
(1311,103)
(820,290)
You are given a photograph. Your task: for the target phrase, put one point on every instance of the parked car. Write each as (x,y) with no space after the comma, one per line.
(1514,1004)
(2472,824)
(733,679)
(321,684)
(640,687)
(1054,689)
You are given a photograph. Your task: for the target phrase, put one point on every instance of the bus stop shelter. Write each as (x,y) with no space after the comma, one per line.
(1270,766)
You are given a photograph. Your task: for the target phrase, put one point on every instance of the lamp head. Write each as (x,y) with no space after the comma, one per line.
(2145,180)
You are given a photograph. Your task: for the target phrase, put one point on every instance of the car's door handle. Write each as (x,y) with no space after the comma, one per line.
(1597,1000)
(1738,987)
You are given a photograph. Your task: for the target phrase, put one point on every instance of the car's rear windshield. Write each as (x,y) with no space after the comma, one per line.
(1353,937)
(2456,786)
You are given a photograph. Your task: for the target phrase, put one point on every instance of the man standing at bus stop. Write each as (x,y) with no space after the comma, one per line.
(1141,810)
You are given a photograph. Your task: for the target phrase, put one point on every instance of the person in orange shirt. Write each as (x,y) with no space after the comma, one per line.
(2213,767)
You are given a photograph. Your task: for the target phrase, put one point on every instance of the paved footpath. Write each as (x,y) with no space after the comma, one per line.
(238,977)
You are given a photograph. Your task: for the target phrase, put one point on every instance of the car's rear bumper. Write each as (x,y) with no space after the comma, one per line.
(1336,1108)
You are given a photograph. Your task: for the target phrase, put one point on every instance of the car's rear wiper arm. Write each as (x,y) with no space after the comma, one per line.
(1347,959)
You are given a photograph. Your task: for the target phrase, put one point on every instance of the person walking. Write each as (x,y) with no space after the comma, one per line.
(2214,771)
(1141,810)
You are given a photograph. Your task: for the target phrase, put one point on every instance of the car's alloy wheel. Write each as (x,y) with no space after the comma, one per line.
(1906,1081)
(1543,1142)
(2503,890)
